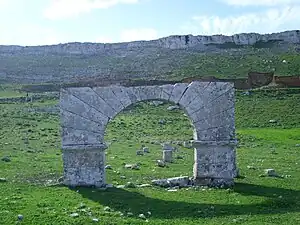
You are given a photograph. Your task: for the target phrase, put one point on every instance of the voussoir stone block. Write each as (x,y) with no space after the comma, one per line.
(71,136)
(177,92)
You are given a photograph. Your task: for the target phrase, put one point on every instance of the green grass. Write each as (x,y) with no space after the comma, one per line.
(32,141)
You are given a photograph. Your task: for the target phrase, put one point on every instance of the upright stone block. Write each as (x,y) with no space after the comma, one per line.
(214,163)
(84,165)
(168,156)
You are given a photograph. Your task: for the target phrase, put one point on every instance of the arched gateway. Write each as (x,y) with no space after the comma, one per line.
(86,111)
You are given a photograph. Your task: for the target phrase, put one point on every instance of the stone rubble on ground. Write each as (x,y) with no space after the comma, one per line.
(2,180)
(108,167)
(160,163)
(173,107)
(6,159)
(132,166)
(183,181)
(156,103)
(139,152)
(74,214)
(146,150)
(20,217)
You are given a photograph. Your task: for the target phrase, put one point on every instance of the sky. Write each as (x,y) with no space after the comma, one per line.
(46,22)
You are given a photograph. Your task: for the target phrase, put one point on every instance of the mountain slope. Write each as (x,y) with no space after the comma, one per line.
(166,58)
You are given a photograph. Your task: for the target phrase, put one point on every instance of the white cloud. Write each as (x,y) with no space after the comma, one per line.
(271,20)
(260,2)
(143,34)
(30,35)
(59,9)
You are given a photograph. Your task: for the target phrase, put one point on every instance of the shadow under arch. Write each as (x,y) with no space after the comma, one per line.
(85,113)
(132,201)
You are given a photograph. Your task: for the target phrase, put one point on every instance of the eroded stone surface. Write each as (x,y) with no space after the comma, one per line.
(85,113)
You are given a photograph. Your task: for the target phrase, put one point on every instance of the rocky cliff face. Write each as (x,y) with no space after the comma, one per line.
(67,62)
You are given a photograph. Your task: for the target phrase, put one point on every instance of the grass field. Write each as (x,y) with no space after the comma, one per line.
(30,138)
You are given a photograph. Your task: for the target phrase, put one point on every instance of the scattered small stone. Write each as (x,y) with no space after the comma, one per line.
(251,167)
(142,216)
(156,103)
(2,180)
(271,173)
(161,121)
(166,146)
(132,166)
(297,145)
(272,121)
(120,186)
(146,150)
(6,159)
(74,215)
(123,177)
(171,108)
(149,213)
(144,185)
(108,167)
(60,180)
(95,220)
(129,214)
(130,185)
(107,209)
(139,152)
(172,190)
(161,163)
(20,217)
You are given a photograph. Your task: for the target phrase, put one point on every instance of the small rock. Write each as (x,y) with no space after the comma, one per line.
(130,185)
(171,108)
(149,213)
(107,209)
(123,177)
(20,217)
(2,180)
(95,220)
(139,152)
(161,121)
(144,185)
(108,167)
(167,147)
(6,159)
(74,215)
(60,180)
(271,173)
(146,150)
(161,163)
(172,190)
(157,103)
(297,145)
(129,214)
(142,216)
(272,121)
(120,186)
(251,167)
(132,166)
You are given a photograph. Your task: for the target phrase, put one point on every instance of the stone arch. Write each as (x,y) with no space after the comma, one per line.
(85,113)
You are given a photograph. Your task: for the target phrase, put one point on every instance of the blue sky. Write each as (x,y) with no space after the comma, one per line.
(39,22)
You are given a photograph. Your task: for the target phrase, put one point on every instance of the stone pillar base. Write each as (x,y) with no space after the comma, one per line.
(215,163)
(84,165)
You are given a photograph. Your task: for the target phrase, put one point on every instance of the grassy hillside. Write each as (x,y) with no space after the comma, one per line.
(150,63)
(31,140)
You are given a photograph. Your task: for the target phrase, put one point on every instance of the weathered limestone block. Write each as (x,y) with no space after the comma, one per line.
(121,93)
(77,122)
(177,92)
(84,167)
(214,163)
(72,104)
(213,99)
(166,91)
(168,156)
(193,91)
(88,96)
(72,136)
(109,97)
